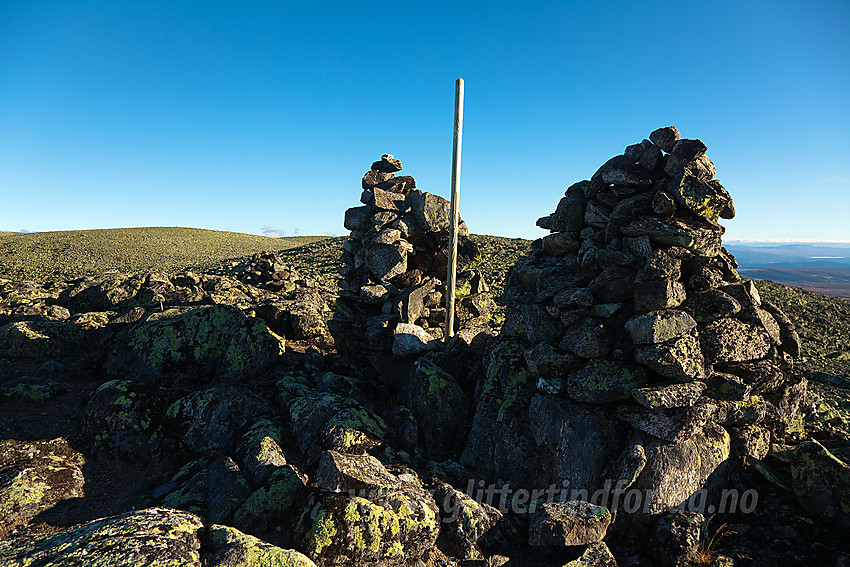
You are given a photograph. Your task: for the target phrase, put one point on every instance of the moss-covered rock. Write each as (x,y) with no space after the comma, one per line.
(34,476)
(468,525)
(260,451)
(154,537)
(439,405)
(396,528)
(270,504)
(232,548)
(130,419)
(218,343)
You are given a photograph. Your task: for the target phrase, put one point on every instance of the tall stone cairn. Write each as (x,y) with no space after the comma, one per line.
(633,306)
(394,267)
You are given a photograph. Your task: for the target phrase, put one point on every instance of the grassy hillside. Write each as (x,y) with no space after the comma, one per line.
(41,256)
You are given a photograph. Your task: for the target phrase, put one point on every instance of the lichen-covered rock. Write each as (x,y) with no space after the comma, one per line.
(212,419)
(439,405)
(468,526)
(731,340)
(260,451)
(821,482)
(218,343)
(154,536)
(568,523)
(674,471)
(674,538)
(232,548)
(679,359)
(314,415)
(603,381)
(659,326)
(340,473)
(129,419)
(670,396)
(213,487)
(395,528)
(38,339)
(36,475)
(412,340)
(596,555)
(274,502)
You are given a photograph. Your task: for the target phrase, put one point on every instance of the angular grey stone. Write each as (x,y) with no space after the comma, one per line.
(387,164)
(545,362)
(569,215)
(731,340)
(663,204)
(670,396)
(588,339)
(727,387)
(679,359)
(658,294)
(558,244)
(603,381)
(373,178)
(659,326)
(711,305)
(387,200)
(357,218)
(676,470)
(613,285)
(596,215)
(385,261)
(665,138)
(411,340)
(339,473)
(699,240)
(621,170)
(533,323)
(660,266)
(565,524)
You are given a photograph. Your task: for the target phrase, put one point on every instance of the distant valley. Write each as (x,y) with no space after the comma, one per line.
(820,267)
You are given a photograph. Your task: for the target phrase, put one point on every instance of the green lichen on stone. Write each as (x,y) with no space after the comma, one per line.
(281,492)
(322,530)
(30,391)
(249,551)
(219,339)
(20,494)
(443,392)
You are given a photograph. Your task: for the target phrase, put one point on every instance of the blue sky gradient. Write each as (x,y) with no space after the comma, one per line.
(243,115)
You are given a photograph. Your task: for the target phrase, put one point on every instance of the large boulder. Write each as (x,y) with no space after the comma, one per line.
(209,344)
(35,476)
(154,536)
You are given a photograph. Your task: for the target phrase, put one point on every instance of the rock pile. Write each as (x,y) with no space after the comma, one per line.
(632,308)
(394,263)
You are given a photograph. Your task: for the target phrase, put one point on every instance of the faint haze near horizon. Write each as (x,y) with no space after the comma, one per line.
(262,118)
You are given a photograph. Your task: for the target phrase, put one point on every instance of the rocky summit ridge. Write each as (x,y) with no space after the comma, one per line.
(637,386)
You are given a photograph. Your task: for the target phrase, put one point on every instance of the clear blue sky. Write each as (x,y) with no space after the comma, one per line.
(243,115)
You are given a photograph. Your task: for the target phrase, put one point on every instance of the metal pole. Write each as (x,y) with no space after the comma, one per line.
(452,269)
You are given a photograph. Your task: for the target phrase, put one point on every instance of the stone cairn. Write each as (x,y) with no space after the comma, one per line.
(632,305)
(394,263)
